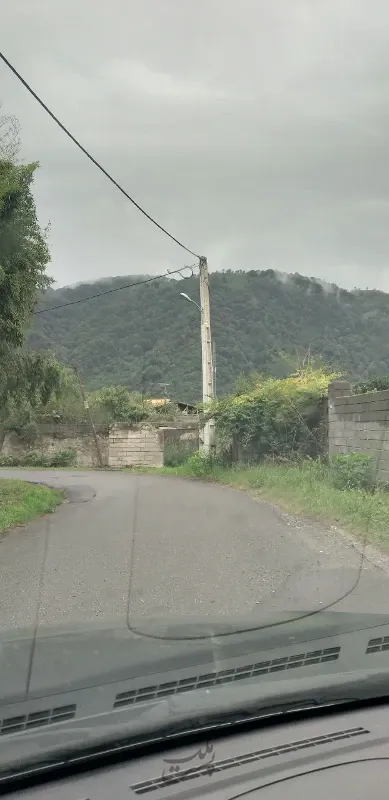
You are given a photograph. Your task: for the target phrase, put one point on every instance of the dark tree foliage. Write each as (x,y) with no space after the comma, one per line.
(262,322)
(24,256)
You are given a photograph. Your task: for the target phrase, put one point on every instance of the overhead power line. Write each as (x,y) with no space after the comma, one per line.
(93,160)
(116,289)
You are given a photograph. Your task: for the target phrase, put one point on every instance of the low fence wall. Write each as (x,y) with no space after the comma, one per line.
(171,435)
(52,438)
(359,423)
(124,445)
(140,445)
(135,446)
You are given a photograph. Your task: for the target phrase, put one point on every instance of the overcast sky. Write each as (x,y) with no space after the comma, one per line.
(256,131)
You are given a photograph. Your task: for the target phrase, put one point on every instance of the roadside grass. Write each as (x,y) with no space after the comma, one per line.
(304,488)
(21,502)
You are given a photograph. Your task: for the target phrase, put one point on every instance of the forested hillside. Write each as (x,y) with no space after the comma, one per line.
(146,336)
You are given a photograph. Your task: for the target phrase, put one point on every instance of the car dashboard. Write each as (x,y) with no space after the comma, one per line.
(331,752)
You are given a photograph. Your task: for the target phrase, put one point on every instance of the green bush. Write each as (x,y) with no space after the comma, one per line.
(376,384)
(202,464)
(62,458)
(8,461)
(278,417)
(118,404)
(34,459)
(177,453)
(351,471)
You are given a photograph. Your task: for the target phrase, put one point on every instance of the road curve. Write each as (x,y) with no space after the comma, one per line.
(154,545)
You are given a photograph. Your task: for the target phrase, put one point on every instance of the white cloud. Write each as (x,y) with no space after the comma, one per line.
(257,132)
(137,77)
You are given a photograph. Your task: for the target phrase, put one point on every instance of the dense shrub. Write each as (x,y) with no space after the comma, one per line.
(8,461)
(118,404)
(34,459)
(177,452)
(352,471)
(200,464)
(61,458)
(279,417)
(372,385)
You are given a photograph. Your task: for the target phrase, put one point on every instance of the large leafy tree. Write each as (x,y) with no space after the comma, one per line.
(24,253)
(24,256)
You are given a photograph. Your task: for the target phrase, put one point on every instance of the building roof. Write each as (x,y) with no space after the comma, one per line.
(159,401)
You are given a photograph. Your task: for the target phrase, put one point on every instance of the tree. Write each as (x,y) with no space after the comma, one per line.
(24,255)
(117,404)
(9,137)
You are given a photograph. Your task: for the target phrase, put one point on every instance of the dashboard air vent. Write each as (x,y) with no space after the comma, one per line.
(147,693)
(36,719)
(377,645)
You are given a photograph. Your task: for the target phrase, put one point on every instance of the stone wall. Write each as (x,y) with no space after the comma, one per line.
(122,445)
(185,434)
(359,423)
(135,446)
(52,438)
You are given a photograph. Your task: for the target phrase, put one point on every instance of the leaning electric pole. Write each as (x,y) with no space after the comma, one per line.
(206,353)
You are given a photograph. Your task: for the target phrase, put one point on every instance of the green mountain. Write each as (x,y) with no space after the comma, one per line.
(148,336)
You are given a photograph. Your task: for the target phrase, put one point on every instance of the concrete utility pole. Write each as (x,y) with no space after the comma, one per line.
(206,353)
(214,367)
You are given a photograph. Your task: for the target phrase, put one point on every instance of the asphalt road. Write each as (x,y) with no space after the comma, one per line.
(145,545)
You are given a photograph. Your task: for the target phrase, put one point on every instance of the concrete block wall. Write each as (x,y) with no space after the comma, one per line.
(48,443)
(181,434)
(135,446)
(359,423)
(124,445)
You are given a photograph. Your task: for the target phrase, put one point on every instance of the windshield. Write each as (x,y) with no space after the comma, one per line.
(194,390)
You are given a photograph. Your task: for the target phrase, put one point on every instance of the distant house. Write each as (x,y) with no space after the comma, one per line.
(185,408)
(159,401)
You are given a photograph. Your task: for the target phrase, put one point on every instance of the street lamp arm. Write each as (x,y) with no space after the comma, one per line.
(189,299)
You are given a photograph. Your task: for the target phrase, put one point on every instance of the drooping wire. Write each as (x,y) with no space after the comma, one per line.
(92,159)
(116,289)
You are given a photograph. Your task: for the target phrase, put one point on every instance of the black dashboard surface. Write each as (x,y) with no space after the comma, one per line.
(340,754)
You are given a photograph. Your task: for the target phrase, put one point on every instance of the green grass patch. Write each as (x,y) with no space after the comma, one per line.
(21,502)
(307,489)
(304,488)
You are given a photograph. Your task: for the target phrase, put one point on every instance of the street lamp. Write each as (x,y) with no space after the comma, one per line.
(189,300)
